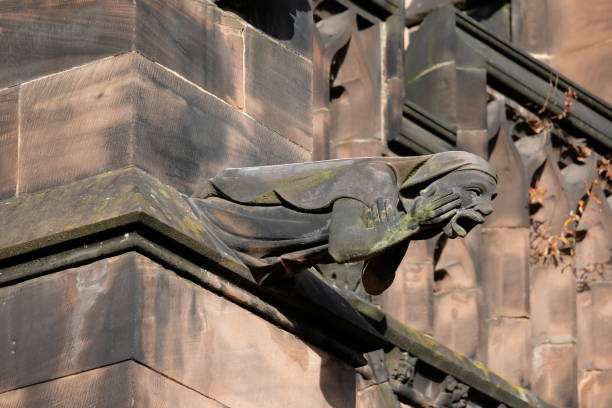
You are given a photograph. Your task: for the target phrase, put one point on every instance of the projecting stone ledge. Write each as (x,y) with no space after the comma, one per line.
(128,210)
(113,330)
(423,372)
(114,306)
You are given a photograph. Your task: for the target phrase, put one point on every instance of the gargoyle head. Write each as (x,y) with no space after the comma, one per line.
(476,190)
(469,177)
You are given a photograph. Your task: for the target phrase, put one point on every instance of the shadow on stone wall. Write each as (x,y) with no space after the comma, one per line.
(278,19)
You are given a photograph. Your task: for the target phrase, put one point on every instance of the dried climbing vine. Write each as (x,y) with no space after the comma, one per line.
(559,248)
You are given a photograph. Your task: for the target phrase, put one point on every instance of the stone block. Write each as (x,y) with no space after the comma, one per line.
(579,25)
(357,148)
(377,396)
(552,304)
(130,308)
(471,90)
(40,37)
(594,308)
(410,298)
(435,91)
(290,22)
(192,136)
(394,46)
(456,320)
(595,389)
(554,374)
(530,25)
(572,37)
(108,115)
(564,25)
(9,133)
(197,40)
(590,67)
(456,265)
(505,272)
(508,348)
(393,102)
(121,385)
(511,207)
(77,123)
(278,88)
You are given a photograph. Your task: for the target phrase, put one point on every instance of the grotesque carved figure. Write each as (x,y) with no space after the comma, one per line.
(281,219)
(453,395)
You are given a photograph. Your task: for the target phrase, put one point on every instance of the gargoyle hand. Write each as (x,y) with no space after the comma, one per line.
(432,207)
(454,229)
(382,212)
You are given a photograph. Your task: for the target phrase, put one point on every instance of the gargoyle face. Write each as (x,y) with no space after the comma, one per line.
(476,190)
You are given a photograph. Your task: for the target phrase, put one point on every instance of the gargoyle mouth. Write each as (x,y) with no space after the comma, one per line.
(462,222)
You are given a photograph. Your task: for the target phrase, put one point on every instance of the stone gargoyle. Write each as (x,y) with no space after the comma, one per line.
(281,219)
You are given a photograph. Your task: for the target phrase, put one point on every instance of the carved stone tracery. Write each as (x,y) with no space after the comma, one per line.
(348,92)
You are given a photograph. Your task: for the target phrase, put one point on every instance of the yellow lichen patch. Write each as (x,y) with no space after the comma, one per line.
(481,368)
(312,180)
(268,198)
(99,212)
(164,193)
(192,225)
(458,355)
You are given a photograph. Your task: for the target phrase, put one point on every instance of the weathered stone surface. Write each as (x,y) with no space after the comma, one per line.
(77,123)
(392,106)
(595,389)
(358,148)
(594,327)
(417,8)
(129,307)
(511,205)
(509,349)
(193,136)
(556,27)
(433,90)
(572,37)
(9,133)
(455,267)
(590,67)
(279,94)
(463,369)
(348,76)
(456,320)
(471,86)
(40,37)
(530,24)
(394,46)
(554,374)
(38,221)
(505,272)
(552,304)
(126,384)
(107,115)
(409,299)
(289,22)
(197,40)
(377,396)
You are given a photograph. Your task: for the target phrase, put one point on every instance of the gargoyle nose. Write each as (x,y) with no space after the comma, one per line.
(485,208)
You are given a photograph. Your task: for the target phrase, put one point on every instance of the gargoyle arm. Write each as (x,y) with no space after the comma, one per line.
(355,235)
(358,232)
